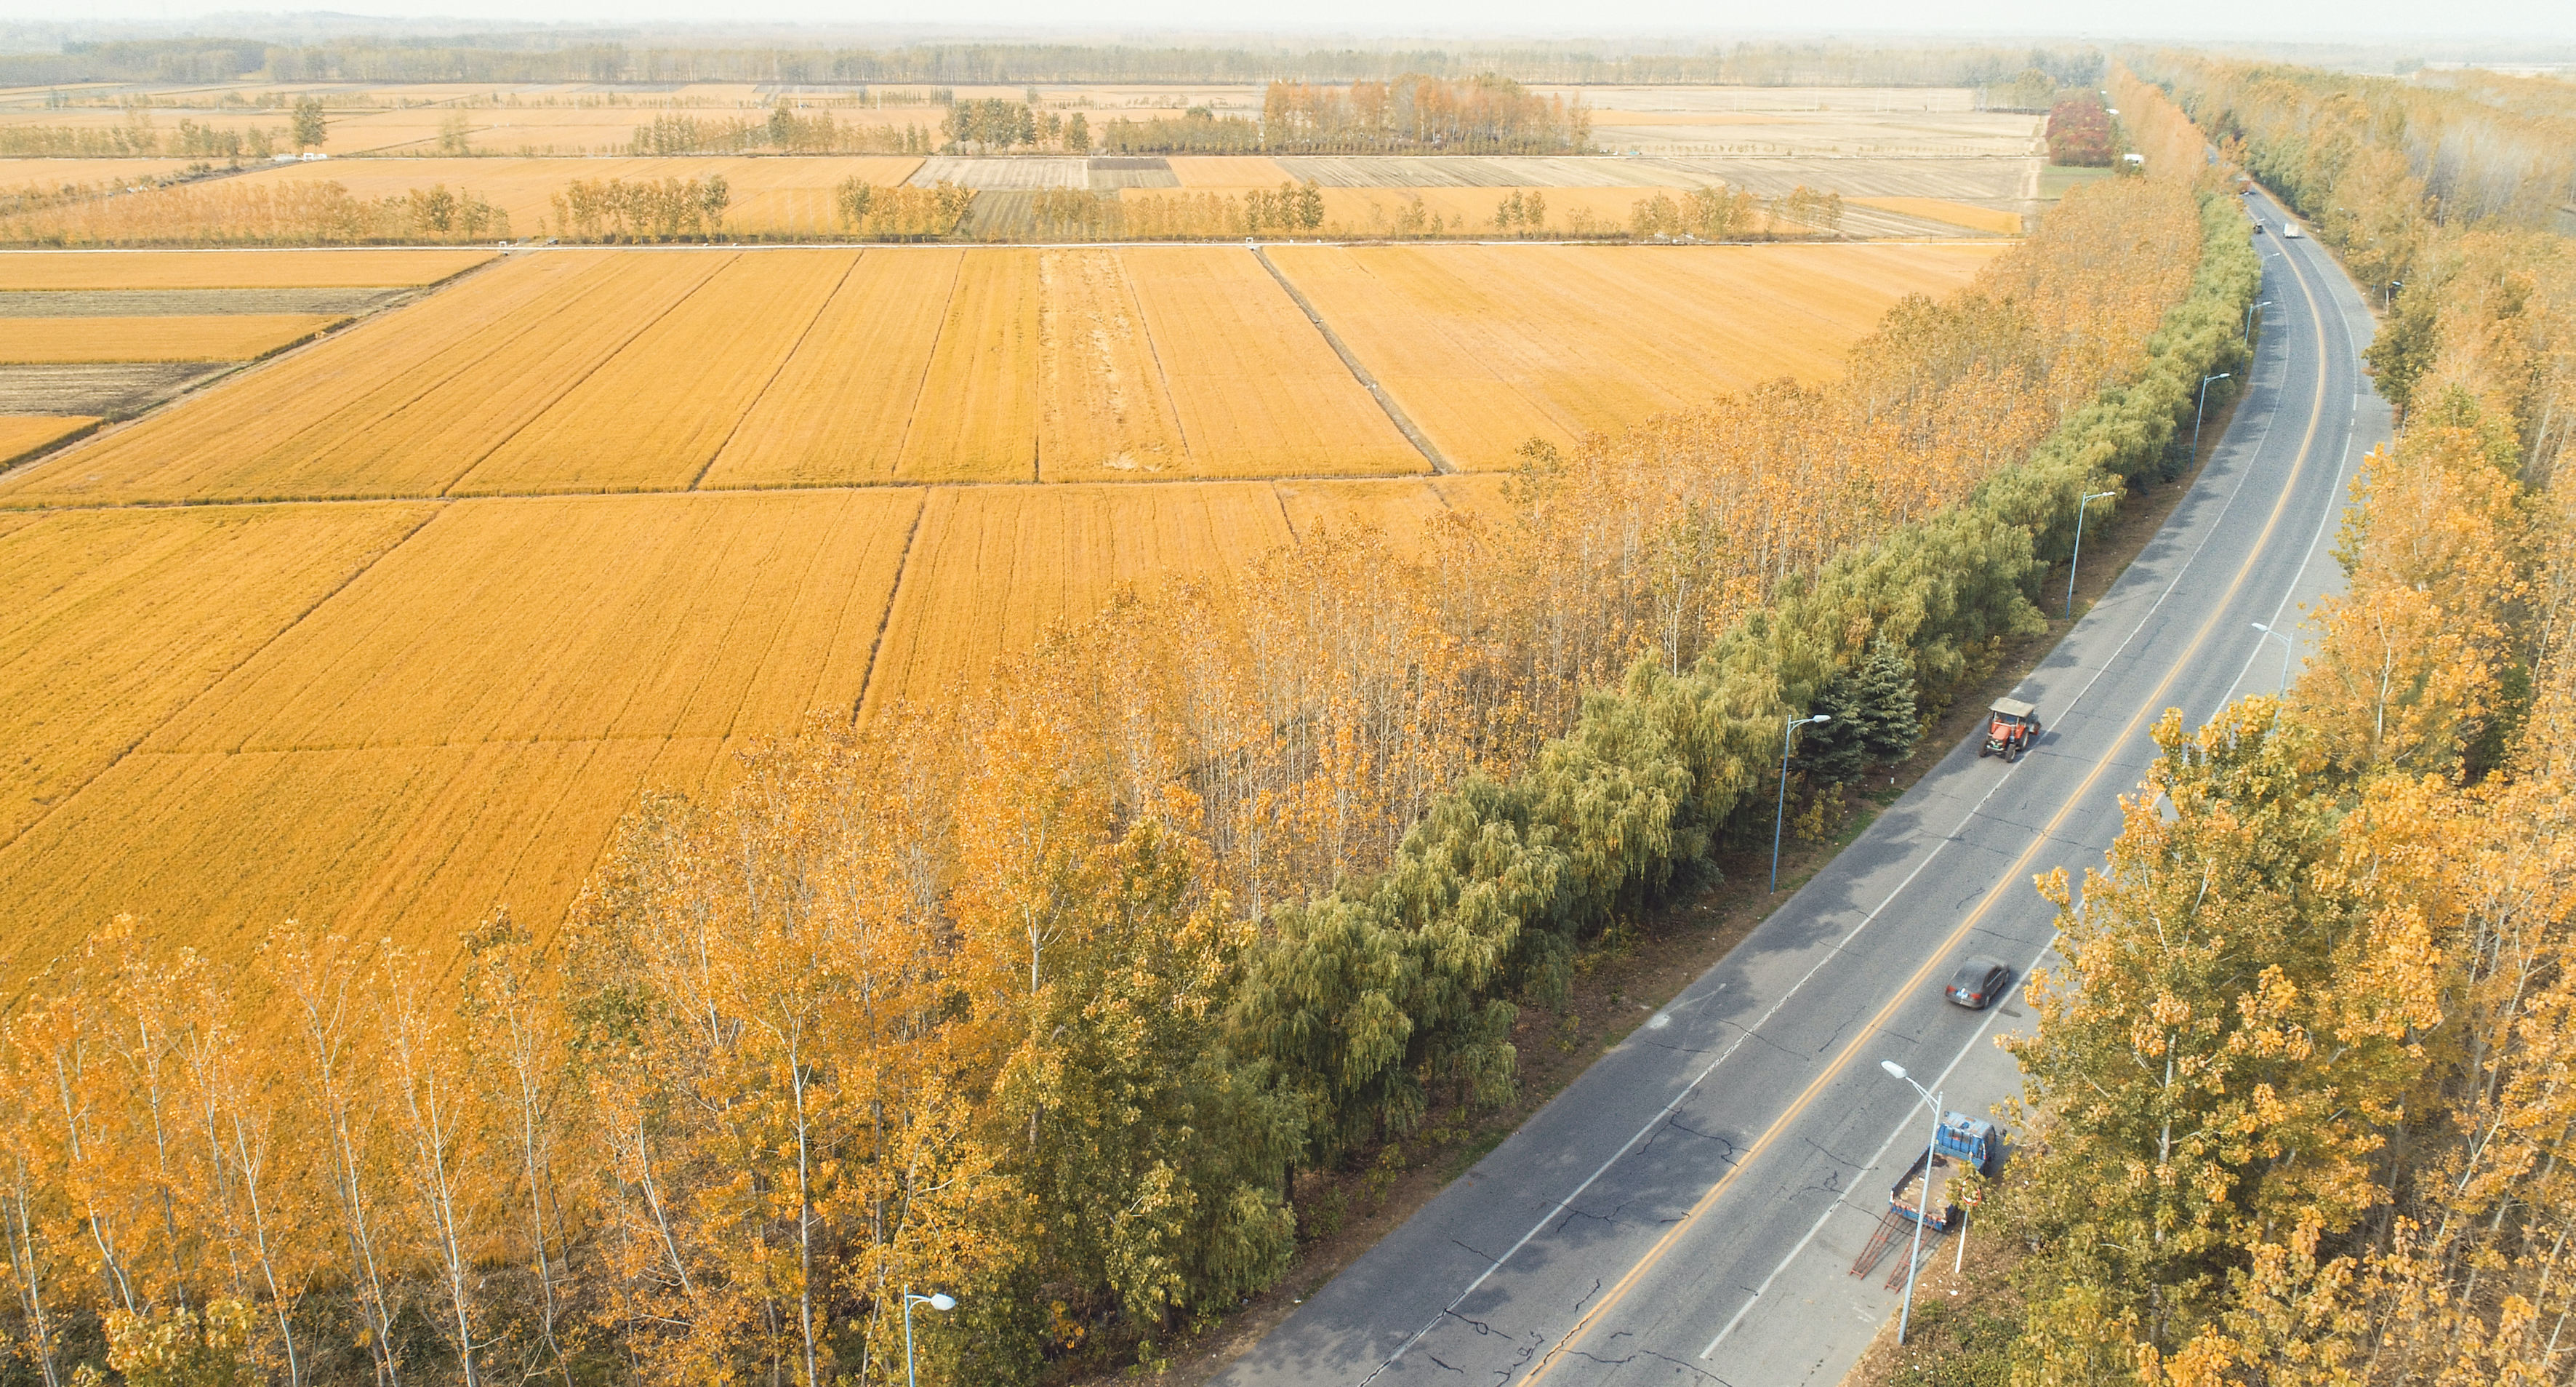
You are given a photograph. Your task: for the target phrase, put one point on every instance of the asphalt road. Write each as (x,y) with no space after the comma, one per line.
(1689,1208)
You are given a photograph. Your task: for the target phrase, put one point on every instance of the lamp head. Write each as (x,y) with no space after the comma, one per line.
(941,1300)
(1894,1070)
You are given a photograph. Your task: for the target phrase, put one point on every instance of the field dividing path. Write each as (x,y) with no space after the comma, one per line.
(1687,1209)
(1394,412)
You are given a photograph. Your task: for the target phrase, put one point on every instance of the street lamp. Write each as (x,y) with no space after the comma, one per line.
(2250,310)
(936,1300)
(1922,1202)
(2287,650)
(2388,299)
(2080,507)
(2201,409)
(1780,811)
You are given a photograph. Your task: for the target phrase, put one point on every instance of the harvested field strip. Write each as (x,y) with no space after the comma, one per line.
(1257,389)
(977,417)
(1226,171)
(1988,219)
(653,416)
(400,405)
(1107,411)
(613,617)
(231,269)
(838,410)
(21,434)
(117,619)
(229,337)
(993,567)
(1487,347)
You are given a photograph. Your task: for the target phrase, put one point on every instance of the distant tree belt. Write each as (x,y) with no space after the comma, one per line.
(612,210)
(1411,114)
(786,130)
(903,213)
(584,59)
(1044,998)
(232,212)
(138,136)
(2420,187)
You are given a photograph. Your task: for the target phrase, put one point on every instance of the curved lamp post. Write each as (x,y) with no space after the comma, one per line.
(2287,650)
(936,1300)
(2201,409)
(1922,1201)
(1780,811)
(2080,507)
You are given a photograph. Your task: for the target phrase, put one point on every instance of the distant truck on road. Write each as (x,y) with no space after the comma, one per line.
(1961,1143)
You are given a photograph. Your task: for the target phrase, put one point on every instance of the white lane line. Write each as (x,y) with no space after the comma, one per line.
(2334,510)
(1875,1157)
(1744,1034)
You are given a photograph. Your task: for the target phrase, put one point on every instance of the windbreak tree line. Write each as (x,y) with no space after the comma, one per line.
(2299,1102)
(1046,996)
(786,130)
(1413,114)
(585,57)
(234,213)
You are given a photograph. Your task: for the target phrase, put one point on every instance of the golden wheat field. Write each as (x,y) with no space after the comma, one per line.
(402,404)
(1487,347)
(456,727)
(118,618)
(435,695)
(1987,219)
(573,371)
(838,414)
(21,434)
(231,269)
(994,566)
(652,416)
(211,337)
(1258,389)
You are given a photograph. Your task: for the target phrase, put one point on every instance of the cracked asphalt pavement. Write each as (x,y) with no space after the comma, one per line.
(1724,1258)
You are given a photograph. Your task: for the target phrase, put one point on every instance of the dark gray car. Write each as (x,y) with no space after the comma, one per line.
(1979,983)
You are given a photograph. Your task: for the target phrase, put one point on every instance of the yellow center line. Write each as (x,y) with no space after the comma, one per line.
(1833,1071)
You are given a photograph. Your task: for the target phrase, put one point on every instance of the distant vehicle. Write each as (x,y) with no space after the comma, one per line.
(2258,228)
(1922,1194)
(1978,982)
(2011,726)
(2290,231)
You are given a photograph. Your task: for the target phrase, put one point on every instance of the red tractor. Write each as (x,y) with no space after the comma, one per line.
(2011,726)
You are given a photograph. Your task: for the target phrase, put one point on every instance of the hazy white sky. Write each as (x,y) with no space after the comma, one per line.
(2309,20)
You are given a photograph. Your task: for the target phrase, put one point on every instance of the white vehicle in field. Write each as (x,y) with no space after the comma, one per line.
(2290,231)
